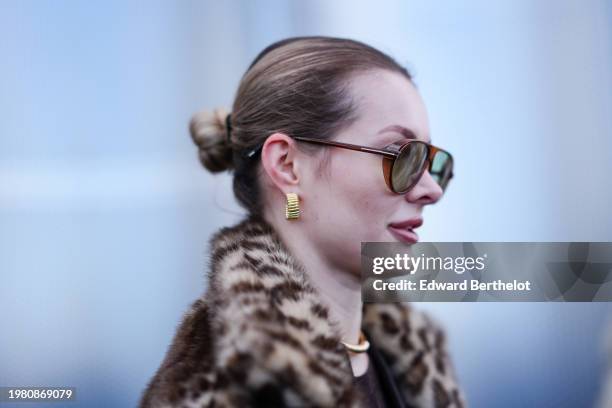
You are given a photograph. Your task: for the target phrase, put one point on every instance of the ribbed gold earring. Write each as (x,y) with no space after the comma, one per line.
(292,209)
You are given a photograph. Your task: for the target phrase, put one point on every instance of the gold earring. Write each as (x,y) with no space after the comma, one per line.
(292,209)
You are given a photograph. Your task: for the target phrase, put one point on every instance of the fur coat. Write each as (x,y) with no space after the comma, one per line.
(261,337)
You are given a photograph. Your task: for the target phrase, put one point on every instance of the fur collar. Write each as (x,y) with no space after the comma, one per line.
(261,336)
(270,327)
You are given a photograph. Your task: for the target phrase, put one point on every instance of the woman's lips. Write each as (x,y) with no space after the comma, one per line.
(404,230)
(404,234)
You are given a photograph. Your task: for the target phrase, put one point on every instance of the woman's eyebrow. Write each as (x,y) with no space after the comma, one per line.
(407,133)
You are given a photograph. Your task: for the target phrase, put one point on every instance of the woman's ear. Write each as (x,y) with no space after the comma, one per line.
(278,158)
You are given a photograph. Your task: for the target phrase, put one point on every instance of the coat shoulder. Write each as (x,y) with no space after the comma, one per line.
(187,372)
(414,344)
(259,336)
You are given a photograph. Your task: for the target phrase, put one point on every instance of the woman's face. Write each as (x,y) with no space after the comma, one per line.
(348,201)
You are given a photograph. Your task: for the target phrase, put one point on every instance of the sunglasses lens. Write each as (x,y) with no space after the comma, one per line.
(408,166)
(441,168)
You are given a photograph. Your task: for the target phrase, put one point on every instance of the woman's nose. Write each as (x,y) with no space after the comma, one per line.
(426,190)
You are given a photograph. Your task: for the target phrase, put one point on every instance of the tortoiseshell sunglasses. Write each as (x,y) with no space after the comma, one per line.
(403,162)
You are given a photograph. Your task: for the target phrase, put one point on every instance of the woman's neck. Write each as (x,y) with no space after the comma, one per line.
(339,289)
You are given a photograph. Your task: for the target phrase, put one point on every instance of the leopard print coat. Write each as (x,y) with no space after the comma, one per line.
(261,336)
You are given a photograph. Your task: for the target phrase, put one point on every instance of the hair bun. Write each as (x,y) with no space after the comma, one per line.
(209,133)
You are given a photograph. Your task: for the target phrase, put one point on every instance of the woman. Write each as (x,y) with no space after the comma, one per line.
(282,322)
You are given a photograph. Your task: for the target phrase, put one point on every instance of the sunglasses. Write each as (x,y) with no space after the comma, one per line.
(404,162)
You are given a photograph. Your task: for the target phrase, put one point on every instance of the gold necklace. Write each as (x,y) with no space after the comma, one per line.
(363,345)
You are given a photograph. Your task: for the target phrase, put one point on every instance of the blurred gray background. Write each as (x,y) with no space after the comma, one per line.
(105,211)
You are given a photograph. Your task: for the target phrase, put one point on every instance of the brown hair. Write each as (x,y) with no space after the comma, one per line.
(297,86)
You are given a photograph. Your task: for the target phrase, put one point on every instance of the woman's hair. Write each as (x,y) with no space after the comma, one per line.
(297,86)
